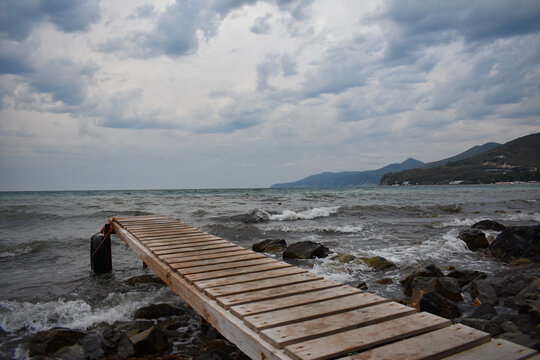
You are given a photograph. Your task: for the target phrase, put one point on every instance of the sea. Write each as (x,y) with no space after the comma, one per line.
(46,280)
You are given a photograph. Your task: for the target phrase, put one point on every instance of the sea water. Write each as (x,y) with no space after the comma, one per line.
(46,280)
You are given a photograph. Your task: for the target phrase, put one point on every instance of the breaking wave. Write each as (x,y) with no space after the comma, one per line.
(289,215)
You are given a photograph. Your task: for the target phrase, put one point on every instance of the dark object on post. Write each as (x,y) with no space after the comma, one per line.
(100,251)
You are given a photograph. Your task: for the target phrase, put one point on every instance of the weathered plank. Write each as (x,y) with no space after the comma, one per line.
(433,345)
(310,311)
(237,271)
(267,294)
(355,340)
(253,276)
(174,240)
(167,253)
(225,266)
(292,300)
(190,245)
(496,349)
(224,290)
(207,254)
(228,259)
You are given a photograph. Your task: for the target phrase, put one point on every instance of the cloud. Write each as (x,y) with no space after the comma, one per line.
(272,66)
(19,18)
(262,25)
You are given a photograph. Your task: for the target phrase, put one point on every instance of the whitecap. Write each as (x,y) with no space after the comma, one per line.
(289,215)
(460,222)
(16,252)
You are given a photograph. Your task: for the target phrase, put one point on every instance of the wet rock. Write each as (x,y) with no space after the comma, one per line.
(528,299)
(144,279)
(92,345)
(510,284)
(483,291)
(385,281)
(488,225)
(438,305)
(344,258)
(378,263)
(73,352)
(170,324)
(466,276)
(305,250)
(50,341)
(429,271)
(213,355)
(492,328)
(449,288)
(150,341)
(517,242)
(157,311)
(475,239)
(253,217)
(485,311)
(362,285)
(270,245)
(220,345)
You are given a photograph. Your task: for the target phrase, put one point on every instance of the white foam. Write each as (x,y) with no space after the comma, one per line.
(74,314)
(460,222)
(289,215)
(523,217)
(16,252)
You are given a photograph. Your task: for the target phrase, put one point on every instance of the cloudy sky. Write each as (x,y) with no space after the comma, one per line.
(138,94)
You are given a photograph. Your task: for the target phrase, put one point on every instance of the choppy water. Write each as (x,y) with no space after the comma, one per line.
(45,257)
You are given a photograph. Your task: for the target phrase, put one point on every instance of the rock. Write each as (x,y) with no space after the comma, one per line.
(475,239)
(157,311)
(221,345)
(385,281)
(449,288)
(344,258)
(485,311)
(528,299)
(438,305)
(92,345)
(213,355)
(270,245)
(466,276)
(488,225)
(253,217)
(517,242)
(305,250)
(429,271)
(362,285)
(378,263)
(133,326)
(483,325)
(73,352)
(150,341)
(144,279)
(483,291)
(50,341)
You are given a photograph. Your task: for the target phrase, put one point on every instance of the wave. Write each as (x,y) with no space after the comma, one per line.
(289,215)
(26,317)
(16,252)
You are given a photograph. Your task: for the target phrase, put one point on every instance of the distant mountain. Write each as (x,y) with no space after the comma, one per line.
(517,160)
(349,178)
(475,150)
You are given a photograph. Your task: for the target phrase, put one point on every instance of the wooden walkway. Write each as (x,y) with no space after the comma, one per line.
(272,310)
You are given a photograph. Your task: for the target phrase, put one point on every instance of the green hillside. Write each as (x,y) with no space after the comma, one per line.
(517,160)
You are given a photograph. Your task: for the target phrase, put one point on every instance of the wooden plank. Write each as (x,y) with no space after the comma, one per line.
(496,349)
(237,271)
(311,311)
(212,254)
(260,284)
(177,233)
(267,294)
(289,334)
(433,345)
(149,232)
(355,340)
(229,259)
(253,276)
(166,253)
(191,245)
(226,323)
(292,300)
(155,244)
(224,267)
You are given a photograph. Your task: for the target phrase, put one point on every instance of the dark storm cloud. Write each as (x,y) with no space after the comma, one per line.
(18,18)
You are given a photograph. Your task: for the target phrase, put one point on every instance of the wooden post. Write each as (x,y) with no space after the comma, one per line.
(100,251)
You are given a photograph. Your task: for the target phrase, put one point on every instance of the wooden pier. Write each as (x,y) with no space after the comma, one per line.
(272,310)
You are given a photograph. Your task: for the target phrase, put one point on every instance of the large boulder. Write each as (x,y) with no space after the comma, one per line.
(270,245)
(483,292)
(157,311)
(517,242)
(150,341)
(429,271)
(438,305)
(488,225)
(528,300)
(475,239)
(305,250)
(446,287)
(378,263)
(464,277)
(50,341)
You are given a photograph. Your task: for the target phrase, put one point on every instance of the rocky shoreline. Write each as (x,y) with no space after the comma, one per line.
(505,304)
